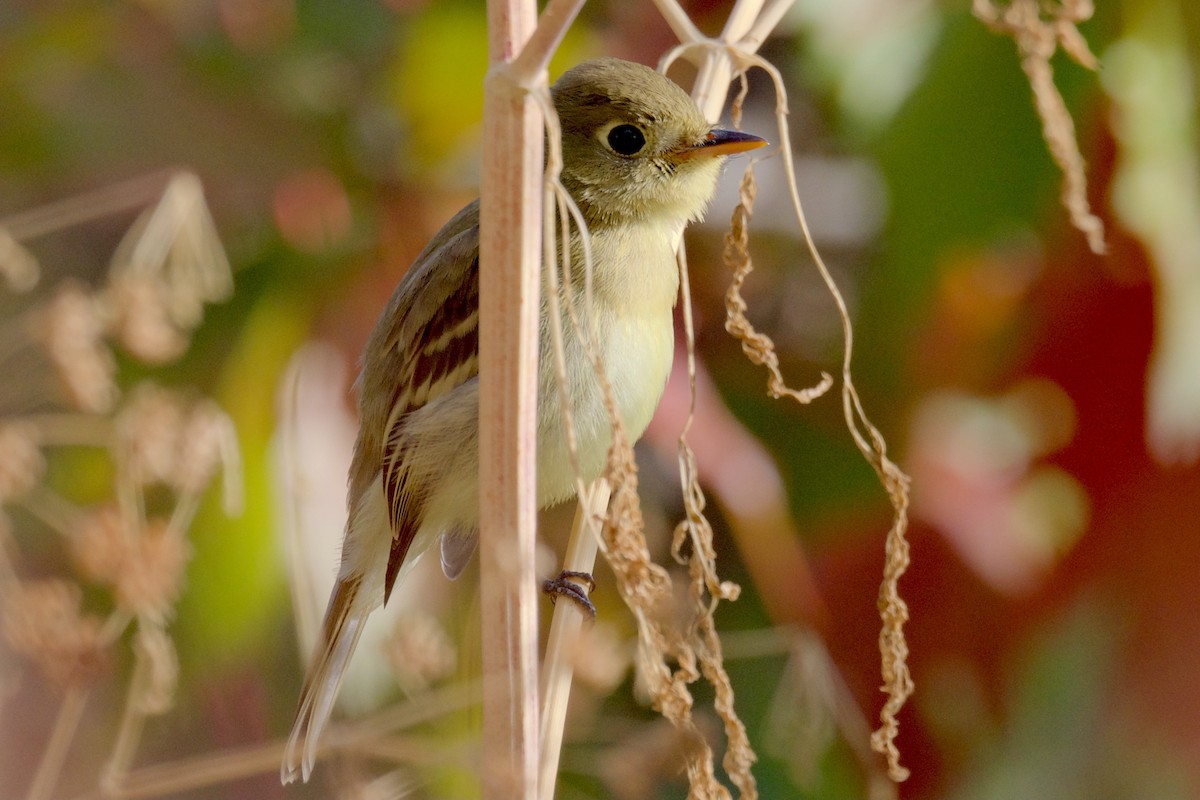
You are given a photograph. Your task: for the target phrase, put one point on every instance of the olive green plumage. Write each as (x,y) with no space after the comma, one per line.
(639,159)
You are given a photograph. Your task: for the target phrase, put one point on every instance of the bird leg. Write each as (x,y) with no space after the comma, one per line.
(574,585)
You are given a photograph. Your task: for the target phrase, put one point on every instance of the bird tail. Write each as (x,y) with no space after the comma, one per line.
(343,625)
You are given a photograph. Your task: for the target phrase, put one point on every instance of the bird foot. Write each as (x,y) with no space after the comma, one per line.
(574,585)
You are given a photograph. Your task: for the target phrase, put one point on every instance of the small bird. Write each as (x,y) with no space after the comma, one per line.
(640,161)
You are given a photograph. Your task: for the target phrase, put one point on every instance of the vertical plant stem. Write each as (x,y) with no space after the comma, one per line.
(557,665)
(55,755)
(130,733)
(534,58)
(770,17)
(510,241)
(681,24)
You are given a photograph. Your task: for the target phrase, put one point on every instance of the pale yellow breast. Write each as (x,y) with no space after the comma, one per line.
(635,284)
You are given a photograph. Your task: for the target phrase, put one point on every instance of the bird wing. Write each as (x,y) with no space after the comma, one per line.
(430,347)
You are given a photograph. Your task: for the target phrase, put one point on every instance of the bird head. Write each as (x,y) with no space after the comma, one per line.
(635,146)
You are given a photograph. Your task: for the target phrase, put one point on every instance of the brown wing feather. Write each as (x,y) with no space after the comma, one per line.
(446,358)
(432,345)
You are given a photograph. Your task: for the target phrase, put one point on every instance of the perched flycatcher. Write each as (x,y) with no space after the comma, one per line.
(641,162)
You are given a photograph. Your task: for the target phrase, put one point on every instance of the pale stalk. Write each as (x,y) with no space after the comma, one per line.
(713,56)
(531,63)
(716,70)
(55,754)
(510,239)
(562,645)
(712,83)
(306,610)
(86,207)
(741,19)
(681,24)
(772,14)
(129,734)
(71,429)
(510,231)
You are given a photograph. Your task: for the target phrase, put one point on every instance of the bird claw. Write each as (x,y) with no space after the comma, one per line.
(574,585)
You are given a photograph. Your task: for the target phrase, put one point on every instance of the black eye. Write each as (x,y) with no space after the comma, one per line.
(626,139)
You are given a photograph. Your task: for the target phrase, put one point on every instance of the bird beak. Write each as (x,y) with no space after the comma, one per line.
(720,142)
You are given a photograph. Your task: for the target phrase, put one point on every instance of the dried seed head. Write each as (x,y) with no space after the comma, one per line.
(43,621)
(149,432)
(163,439)
(151,577)
(420,652)
(72,331)
(176,244)
(206,437)
(21,462)
(154,647)
(101,544)
(145,567)
(141,318)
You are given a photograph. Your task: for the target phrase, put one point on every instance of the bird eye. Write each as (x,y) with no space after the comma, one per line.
(626,140)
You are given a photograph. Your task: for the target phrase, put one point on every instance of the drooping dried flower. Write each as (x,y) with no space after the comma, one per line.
(1040,29)
(72,331)
(151,578)
(148,434)
(176,245)
(208,439)
(21,462)
(141,319)
(43,621)
(101,543)
(154,648)
(161,438)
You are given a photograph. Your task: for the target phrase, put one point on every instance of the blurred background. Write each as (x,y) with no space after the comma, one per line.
(1044,399)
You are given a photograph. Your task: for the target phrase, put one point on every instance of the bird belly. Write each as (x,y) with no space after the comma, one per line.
(636,351)
(636,348)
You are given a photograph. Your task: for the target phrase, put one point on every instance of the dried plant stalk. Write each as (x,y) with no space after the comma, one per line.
(510,238)
(1039,29)
(510,222)
(646,588)
(705,589)
(564,637)
(870,442)
(168,266)
(54,757)
(757,346)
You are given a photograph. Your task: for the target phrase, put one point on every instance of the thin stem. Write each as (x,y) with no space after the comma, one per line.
(530,65)
(130,732)
(55,755)
(86,207)
(770,17)
(51,508)
(558,663)
(510,251)
(72,429)
(741,19)
(712,83)
(681,24)
(193,773)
